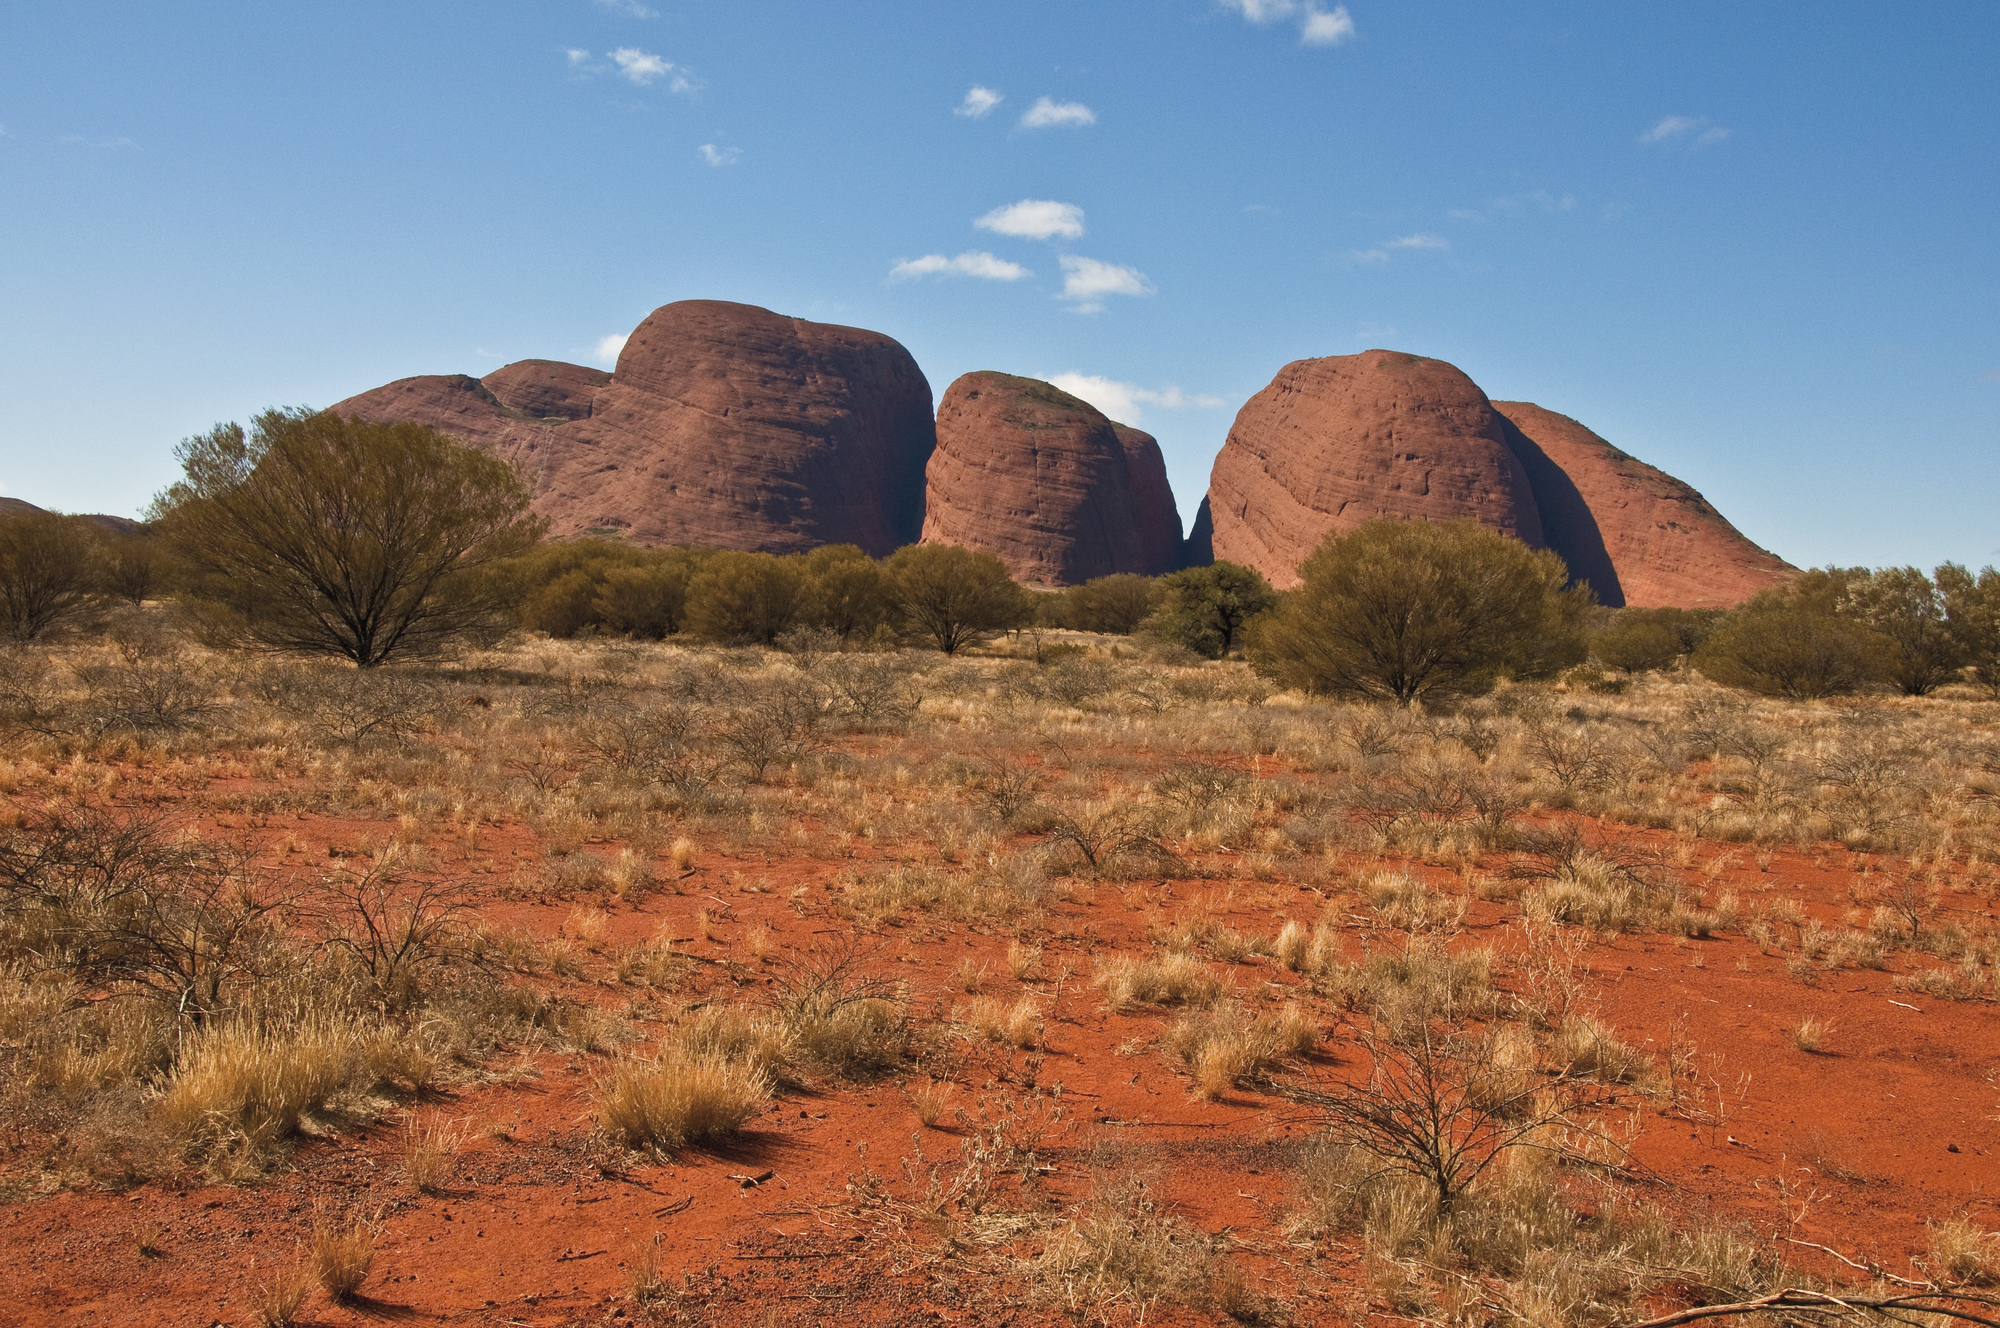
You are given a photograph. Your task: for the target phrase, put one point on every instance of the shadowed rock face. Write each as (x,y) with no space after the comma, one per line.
(1042,479)
(723,425)
(1159,517)
(1336,442)
(1655,541)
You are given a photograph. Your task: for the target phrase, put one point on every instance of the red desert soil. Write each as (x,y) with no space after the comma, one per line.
(1855,1149)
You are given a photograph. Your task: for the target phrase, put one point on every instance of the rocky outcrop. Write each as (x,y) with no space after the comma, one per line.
(1028,472)
(1637,534)
(723,425)
(1159,515)
(1336,442)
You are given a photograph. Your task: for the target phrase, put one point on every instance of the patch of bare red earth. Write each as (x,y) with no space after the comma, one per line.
(1855,1149)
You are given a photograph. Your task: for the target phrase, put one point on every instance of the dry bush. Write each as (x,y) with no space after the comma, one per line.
(1170,979)
(1584,1048)
(1222,1047)
(677,1098)
(1810,1034)
(242,1084)
(1402,989)
(342,1254)
(277,1298)
(1293,946)
(1962,1255)
(1017,1025)
(1109,839)
(1401,901)
(1004,886)
(841,1020)
(1127,1250)
(430,1153)
(930,1099)
(755,1038)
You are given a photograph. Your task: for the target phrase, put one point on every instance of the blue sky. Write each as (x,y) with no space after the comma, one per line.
(1754,245)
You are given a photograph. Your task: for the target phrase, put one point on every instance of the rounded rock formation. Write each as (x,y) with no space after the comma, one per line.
(1336,442)
(1042,479)
(1637,534)
(723,425)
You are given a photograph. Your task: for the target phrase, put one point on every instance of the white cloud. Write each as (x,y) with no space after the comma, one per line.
(715,156)
(645,68)
(1380,253)
(576,56)
(1674,128)
(1046,113)
(1124,402)
(1321,28)
(629,8)
(1035,219)
(1368,256)
(607,348)
(978,101)
(971,263)
(1421,241)
(1317,27)
(1087,280)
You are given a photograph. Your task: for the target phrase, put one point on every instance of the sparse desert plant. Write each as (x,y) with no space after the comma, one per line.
(930,1099)
(430,1152)
(1293,946)
(277,1297)
(677,1098)
(1811,1033)
(1106,838)
(342,1254)
(1170,979)
(254,1084)
(649,1281)
(1223,1046)
(1024,961)
(842,1019)
(1962,1255)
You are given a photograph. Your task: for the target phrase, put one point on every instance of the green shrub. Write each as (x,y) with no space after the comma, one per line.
(1206,609)
(1793,641)
(1411,610)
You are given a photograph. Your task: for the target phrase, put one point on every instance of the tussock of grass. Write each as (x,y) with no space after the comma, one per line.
(242,1081)
(678,1098)
(1170,979)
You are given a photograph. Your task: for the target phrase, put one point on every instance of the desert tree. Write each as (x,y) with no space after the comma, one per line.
(1972,612)
(1635,640)
(1114,604)
(846,592)
(49,573)
(321,534)
(1415,610)
(1909,610)
(954,597)
(740,598)
(1207,608)
(1796,641)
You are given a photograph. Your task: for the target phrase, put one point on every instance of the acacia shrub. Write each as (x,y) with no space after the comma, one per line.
(1414,610)
(1794,641)
(1636,640)
(1206,609)
(49,573)
(1114,605)
(954,597)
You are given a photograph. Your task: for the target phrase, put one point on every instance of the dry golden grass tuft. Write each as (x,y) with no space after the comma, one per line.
(678,1098)
(930,1100)
(240,1082)
(1170,979)
(1811,1033)
(1222,1047)
(277,1299)
(342,1254)
(430,1153)
(1962,1255)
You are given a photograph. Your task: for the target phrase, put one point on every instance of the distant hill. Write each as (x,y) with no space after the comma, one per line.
(113,525)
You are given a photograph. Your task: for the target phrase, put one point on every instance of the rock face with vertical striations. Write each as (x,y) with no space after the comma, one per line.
(1652,540)
(1336,442)
(723,425)
(1042,479)
(1159,515)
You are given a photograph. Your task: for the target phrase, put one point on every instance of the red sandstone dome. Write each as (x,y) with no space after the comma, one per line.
(1332,443)
(723,425)
(1041,478)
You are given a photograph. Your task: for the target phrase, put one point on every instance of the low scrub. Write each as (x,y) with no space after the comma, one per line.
(1170,979)
(678,1098)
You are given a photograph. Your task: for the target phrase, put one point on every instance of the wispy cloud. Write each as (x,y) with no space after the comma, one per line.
(1990,376)
(1317,26)
(1126,402)
(645,69)
(1047,114)
(1380,253)
(1035,219)
(78,140)
(1088,280)
(978,102)
(1537,200)
(629,8)
(716,156)
(577,56)
(1695,131)
(607,348)
(971,263)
